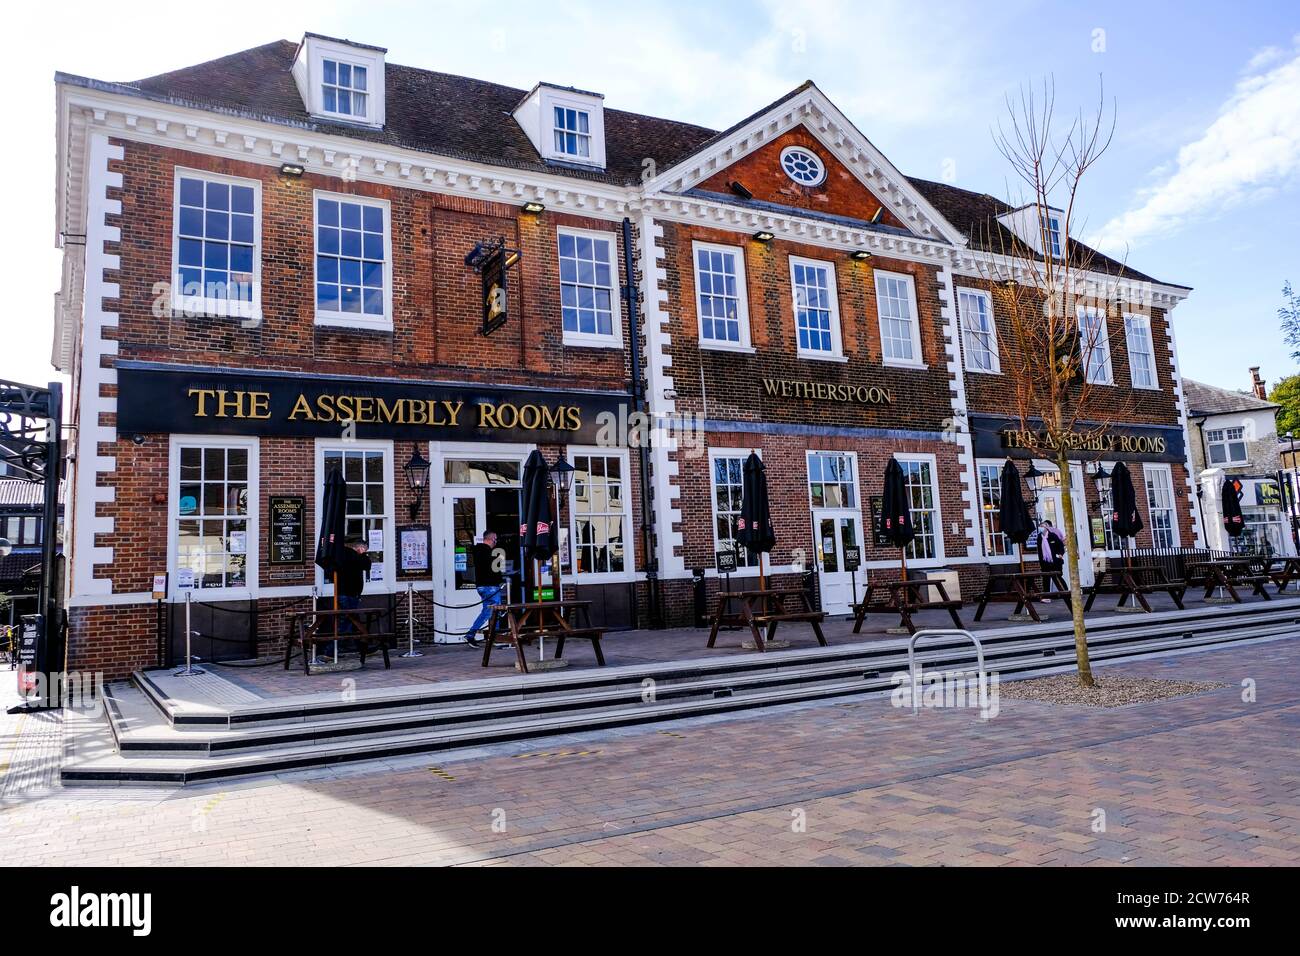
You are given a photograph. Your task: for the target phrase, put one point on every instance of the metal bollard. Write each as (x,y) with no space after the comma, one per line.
(189,670)
(410,621)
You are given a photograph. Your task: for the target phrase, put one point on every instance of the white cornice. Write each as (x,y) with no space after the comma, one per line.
(1000,268)
(811,109)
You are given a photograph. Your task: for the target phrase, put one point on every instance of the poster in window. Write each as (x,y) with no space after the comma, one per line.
(414,542)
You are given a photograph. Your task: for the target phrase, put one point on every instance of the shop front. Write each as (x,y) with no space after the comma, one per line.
(430,468)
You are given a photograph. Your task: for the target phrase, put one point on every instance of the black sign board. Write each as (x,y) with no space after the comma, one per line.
(495,308)
(27,641)
(877,505)
(166,398)
(998,436)
(288,517)
(726,562)
(852,557)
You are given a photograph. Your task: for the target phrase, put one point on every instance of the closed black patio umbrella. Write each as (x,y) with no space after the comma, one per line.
(896,511)
(1233,522)
(1013,512)
(331,540)
(754,528)
(537,535)
(1124,518)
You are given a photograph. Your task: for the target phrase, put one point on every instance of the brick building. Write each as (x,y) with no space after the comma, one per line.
(270,272)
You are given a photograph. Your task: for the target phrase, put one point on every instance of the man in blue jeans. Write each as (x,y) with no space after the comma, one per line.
(488,580)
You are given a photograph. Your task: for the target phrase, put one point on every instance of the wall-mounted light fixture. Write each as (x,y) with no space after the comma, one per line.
(860,254)
(292,169)
(534,207)
(764,236)
(879,215)
(740,190)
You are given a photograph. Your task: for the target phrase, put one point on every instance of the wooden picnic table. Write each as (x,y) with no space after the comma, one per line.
(904,599)
(307,629)
(1135,580)
(1021,588)
(1228,574)
(538,620)
(769,608)
(1288,571)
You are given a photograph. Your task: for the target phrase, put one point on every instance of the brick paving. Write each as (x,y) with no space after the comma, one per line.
(1209,779)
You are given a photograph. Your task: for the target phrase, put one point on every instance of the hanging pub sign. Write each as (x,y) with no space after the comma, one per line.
(493,260)
(155,398)
(288,518)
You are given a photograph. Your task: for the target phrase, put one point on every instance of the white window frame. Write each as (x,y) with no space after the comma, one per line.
(821,166)
(836,354)
(917,360)
(252,524)
(319,50)
(852,457)
(1052,235)
(352,61)
(614,340)
(387,585)
(1157,468)
(629,534)
(350,320)
(1103,342)
(550,98)
(742,295)
(1145,322)
(202,305)
(986,534)
(995,358)
(938,558)
(1227,444)
(714,455)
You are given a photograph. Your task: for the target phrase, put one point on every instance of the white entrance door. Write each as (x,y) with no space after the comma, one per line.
(833,531)
(464,521)
(1050,508)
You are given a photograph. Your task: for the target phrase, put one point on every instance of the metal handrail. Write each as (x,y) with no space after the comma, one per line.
(937,631)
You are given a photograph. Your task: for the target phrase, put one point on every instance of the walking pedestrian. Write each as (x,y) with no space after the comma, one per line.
(1051,556)
(488,581)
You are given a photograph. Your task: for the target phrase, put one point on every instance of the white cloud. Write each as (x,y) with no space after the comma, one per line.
(1249,153)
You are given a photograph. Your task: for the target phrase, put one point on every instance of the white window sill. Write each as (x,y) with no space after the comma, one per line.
(823,356)
(978,371)
(211,594)
(711,346)
(215,309)
(571,340)
(897,363)
(345,118)
(585,161)
(1147,388)
(384,324)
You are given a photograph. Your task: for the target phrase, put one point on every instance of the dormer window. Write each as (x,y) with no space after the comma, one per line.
(573,132)
(564,125)
(340,80)
(1052,231)
(344,90)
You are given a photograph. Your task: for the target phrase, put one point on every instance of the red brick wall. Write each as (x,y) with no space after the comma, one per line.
(841,194)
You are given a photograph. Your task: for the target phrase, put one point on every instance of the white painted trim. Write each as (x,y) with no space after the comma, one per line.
(837,344)
(1102,341)
(202,305)
(918,357)
(716,452)
(350,320)
(742,297)
(1151,350)
(317,50)
(629,571)
(935,490)
(1149,467)
(1189,495)
(389,583)
(252,524)
(959,432)
(594,339)
(994,350)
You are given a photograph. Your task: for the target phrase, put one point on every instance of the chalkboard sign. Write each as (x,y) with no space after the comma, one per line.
(877,506)
(726,562)
(288,515)
(28,640)
(852,557)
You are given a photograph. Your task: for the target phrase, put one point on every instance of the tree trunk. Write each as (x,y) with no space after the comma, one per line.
(1072,562)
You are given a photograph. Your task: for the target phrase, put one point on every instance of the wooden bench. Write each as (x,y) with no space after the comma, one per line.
(307,630)
(766,609)
(1021,588)
(1229,573)
(905,600)
(536,621)
(1135,581)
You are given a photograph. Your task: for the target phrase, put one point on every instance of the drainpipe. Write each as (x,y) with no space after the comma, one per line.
(637,394)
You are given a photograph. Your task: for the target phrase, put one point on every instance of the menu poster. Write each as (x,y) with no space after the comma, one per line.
(288,516)
(414,540)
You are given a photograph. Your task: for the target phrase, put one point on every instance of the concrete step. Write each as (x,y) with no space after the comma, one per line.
(349,738)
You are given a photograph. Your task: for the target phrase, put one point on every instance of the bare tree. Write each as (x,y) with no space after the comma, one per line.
(1053,305)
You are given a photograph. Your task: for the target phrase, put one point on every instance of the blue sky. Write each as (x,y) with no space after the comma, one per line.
(1201,185)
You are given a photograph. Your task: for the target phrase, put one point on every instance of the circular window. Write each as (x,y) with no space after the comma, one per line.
(802,166)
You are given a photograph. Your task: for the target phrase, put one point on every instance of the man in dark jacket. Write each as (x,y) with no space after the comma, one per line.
(1051,555)
(354,567)
(488,580)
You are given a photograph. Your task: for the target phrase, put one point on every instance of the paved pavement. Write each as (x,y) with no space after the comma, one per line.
(1211,779)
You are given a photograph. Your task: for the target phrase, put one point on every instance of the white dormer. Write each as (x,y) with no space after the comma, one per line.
(564,124)
(341,80)
(1042,228)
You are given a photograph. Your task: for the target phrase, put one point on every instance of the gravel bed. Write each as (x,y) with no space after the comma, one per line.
(1112,690)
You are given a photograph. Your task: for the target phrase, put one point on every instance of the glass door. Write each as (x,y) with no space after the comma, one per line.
(1051,508)
(833,531)
(465,520)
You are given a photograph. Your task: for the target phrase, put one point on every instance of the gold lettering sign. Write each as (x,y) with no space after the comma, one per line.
(1097,442)
(828,391)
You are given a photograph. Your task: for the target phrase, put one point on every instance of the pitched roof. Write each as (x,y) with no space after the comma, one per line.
(1205,399)
(469,119)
